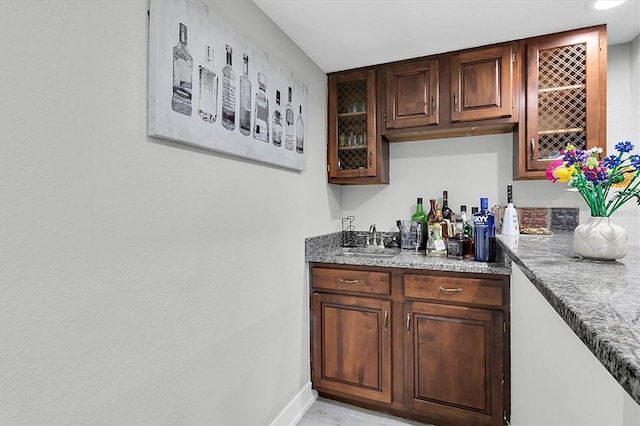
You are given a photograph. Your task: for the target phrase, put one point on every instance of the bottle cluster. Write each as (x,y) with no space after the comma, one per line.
(459,235)
(262,126)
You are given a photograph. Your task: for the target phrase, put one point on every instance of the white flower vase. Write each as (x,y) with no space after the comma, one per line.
(600,239)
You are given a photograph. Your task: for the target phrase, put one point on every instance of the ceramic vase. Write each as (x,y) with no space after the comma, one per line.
(600,239)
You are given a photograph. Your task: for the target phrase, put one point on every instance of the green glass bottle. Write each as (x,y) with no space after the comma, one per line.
(420,221)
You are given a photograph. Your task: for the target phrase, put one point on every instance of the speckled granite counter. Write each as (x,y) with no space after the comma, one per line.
(600,301)
(327,249)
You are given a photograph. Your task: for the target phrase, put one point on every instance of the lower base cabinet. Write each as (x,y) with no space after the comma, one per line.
(429,345)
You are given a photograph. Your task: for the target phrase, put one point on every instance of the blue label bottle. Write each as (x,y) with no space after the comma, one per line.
(484,226)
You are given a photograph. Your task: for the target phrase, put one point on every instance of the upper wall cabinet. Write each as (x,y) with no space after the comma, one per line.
(471,92)
(356,153)
(565,98)
(482,84)
(412,94)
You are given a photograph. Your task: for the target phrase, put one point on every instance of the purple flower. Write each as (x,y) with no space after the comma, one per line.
(625,146)
(575,156)
(602,175)
(611,161)
(635,160)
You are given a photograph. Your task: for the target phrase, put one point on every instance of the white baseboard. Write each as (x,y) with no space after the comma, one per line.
(295,409)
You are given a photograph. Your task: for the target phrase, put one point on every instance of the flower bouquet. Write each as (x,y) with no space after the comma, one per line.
(596,180)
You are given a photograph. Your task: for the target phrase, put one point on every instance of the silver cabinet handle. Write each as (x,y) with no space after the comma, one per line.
(455,102)
(533,148)
(342,280)
(408,323)
(433,105)
(450,290)
(386,319)
(371,159)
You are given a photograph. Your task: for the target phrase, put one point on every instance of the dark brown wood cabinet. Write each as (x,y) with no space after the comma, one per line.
(412,94)
(471,92)
(454,352)
(565,98)
(356,152)
(427,345)
(482,84)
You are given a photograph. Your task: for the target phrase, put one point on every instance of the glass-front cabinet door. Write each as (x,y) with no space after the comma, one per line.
(352,140)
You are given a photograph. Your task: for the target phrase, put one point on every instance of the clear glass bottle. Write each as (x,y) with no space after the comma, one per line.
(484,227)
(288,124)
(261,118)
(300,133)
(182,74)
(245,97)
(229,93)
(276,125)
(208,99)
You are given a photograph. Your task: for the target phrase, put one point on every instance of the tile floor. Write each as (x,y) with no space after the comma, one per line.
(327,412)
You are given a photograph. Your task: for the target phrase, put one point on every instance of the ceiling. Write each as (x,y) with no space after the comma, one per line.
(344,34)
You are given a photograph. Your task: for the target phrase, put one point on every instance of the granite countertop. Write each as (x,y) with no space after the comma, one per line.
(328,249)
(599,300)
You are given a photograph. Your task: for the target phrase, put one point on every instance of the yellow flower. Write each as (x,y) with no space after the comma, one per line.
(623,180)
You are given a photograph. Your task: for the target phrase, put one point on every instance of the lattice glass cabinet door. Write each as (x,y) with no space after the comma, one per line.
(352,133)
(565,95)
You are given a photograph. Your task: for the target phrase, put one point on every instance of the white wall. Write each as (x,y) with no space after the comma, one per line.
(555,379)
(143,282)
(481,166)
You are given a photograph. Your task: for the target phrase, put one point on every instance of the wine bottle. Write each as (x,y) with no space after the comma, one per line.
(419,221)
(446,211)
(261,116)
(208,104)
(484,227)
(229,93)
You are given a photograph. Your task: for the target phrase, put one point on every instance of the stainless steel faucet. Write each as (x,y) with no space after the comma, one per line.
(374,235)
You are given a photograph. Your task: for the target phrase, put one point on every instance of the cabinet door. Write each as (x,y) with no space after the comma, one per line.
(454,362)
(482,84)
(352,346)
(412,94)
(352,143)
(565,97)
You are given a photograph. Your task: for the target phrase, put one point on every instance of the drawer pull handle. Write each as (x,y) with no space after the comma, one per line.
(386,318)
(450,290)
(342,280)
(408,323)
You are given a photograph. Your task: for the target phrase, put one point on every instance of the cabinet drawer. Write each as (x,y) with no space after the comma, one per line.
(351,280)
(451,289)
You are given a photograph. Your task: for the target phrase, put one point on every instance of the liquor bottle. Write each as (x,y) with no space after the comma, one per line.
(432,211)
(228,93)
(261,119)
(182,74)
(208,104)
(467,230)
(444,224)
(484,227)
(437,248)
(446,211)
(288,124)
(458,244)
(510,220)
(276,125)
(300,133)
(419,221)
(245,97)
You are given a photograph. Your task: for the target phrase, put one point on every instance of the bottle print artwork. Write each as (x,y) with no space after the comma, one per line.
(276,126)
(288,129)
(208,99)
(245,97)
(228,93)
(261,118)
(300,133)
(182,74)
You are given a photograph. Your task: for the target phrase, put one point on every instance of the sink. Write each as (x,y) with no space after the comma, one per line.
(369,252)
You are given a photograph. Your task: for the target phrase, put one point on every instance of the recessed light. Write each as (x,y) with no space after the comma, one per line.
(604,4)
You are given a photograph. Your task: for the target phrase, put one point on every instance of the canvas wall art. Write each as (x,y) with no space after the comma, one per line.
(211,87)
